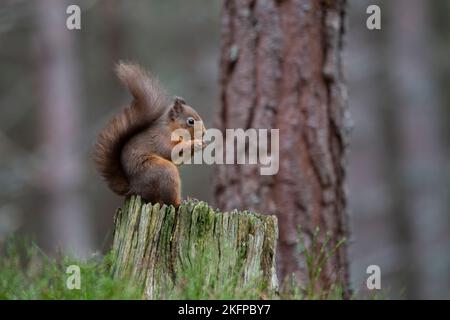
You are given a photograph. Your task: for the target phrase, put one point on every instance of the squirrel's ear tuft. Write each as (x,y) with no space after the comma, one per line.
(179,100)
(177,107)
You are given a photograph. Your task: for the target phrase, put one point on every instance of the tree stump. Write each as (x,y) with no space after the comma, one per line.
(154,245)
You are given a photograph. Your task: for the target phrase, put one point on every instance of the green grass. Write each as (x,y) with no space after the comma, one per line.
(27,273)
(315,256)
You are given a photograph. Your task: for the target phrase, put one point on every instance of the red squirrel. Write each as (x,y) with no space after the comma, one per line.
(133,151)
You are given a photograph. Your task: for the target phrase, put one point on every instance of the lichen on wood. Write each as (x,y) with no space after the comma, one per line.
(154,245)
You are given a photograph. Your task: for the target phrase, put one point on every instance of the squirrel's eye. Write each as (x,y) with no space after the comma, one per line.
(190,121)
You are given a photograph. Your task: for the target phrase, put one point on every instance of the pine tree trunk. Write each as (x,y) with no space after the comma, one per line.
(281,68)
(155,246)
(60,118)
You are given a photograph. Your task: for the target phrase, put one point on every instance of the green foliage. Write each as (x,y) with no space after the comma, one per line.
(27,273)
(315,255)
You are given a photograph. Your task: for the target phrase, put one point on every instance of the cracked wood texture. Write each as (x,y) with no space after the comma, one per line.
(155,245)
(281,67)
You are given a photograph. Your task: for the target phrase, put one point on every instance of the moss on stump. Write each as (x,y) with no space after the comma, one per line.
(157,246)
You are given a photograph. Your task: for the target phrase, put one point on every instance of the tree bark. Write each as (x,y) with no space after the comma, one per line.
(281,68)
(156,245)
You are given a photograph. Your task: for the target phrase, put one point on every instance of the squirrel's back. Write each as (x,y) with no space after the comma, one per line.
(150,101)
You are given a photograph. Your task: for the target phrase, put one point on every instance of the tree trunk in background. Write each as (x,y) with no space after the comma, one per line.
(441,34)
(420,221)
(110,12)
(59,86)
(281,68)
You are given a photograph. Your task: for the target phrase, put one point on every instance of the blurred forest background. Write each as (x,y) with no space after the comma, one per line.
(57,90)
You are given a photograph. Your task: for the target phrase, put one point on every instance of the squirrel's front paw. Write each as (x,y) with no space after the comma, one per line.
(198,144)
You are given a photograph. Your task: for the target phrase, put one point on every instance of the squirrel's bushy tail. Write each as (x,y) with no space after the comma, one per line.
(150,101)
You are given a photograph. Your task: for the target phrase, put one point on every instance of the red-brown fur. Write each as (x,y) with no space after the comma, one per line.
(133,151)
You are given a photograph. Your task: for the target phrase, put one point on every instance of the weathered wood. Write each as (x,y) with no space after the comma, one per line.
(154,245)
